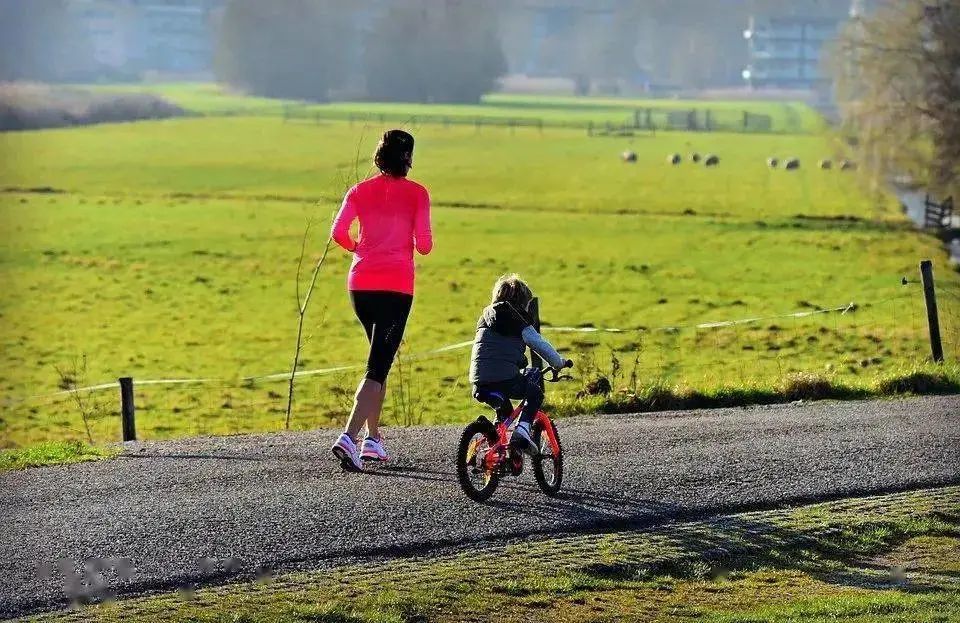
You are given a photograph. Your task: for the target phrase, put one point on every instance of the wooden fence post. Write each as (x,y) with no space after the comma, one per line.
(127,409)
(933,320)
(534,310)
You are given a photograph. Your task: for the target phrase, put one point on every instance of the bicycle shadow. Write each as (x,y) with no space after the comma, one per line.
(574,504)
(584,507)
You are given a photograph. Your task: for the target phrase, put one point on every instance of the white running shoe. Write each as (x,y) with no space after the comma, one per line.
(373,450)
(522,440)
(345,449)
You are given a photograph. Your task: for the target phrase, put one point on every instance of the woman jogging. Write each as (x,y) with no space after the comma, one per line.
(394,215)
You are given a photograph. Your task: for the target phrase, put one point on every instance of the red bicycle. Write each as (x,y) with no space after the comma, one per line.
(484,454)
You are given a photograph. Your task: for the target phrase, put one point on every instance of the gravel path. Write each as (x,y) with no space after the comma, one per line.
(170,514)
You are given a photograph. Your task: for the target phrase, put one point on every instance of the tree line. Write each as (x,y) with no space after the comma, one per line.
(453,50)
(417,50)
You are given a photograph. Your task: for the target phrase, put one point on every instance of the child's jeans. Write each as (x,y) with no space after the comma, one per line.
(526,386)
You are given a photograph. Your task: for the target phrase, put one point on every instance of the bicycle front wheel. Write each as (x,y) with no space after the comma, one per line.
(547,465)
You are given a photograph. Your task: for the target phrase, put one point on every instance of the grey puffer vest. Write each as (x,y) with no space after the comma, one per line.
(499,352)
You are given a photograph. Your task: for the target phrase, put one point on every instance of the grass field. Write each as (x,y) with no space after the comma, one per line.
(555,171)
(886,559)
(172,248)
(198,97)
(785,117)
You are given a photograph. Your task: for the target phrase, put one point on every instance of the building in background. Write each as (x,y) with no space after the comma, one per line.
(133,37)
(541,36)
(625,45)
(786,52)
(178,35)
(109,27)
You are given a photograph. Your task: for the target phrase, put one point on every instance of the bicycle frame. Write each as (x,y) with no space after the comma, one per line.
(498,452)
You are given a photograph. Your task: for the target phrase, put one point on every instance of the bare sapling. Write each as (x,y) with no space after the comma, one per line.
(303,299)
(71,379)
(303,302)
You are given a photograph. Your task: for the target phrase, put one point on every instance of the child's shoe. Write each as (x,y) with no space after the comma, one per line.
(373,450)
(521,439)
(345,449)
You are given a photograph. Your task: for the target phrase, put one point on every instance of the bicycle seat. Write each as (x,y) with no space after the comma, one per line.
(494,400)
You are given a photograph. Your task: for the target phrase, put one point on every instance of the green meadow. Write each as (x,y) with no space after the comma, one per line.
(210,99)
(169,250)
(556,171)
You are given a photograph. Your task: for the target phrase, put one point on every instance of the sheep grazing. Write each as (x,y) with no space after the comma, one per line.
(629,156)
(711,160)
(846,165)
(674,159)
(772,162)
(792,164)
(694,157)
(826,164)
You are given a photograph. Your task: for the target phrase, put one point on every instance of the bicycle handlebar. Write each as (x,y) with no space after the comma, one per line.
(555,373)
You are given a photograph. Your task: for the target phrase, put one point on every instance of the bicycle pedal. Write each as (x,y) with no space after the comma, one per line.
(516,464)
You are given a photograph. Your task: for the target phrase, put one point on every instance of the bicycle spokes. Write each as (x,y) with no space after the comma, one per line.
(478,458)
(472,450)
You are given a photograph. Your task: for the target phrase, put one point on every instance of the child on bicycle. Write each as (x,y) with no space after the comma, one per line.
(498,361)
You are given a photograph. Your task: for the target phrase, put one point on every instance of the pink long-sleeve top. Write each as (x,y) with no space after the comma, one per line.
(394,215)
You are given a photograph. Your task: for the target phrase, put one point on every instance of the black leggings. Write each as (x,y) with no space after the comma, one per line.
(383,315)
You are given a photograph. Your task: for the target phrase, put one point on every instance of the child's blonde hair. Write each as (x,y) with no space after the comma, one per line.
(512,289)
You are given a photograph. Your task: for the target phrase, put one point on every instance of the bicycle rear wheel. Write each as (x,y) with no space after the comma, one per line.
(547,466)
(476,479)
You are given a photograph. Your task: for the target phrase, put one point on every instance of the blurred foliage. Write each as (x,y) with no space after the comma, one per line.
(899,90)
(293,49)
(431,52)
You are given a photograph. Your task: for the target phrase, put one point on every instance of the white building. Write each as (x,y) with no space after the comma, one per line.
(134,36)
